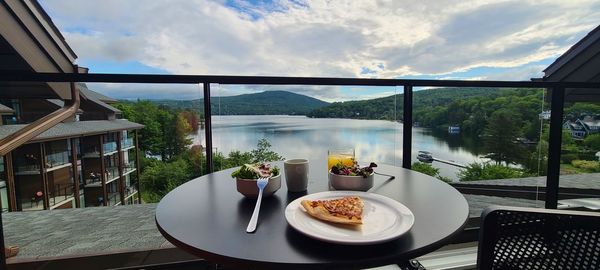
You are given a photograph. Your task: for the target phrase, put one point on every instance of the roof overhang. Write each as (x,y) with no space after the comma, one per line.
(31,42)
(75,129)
(581,63)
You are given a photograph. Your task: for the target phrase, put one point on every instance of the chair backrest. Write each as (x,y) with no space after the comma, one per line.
(532,238)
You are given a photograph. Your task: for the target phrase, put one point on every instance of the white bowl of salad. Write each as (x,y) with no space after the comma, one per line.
(353,177)
(247,175)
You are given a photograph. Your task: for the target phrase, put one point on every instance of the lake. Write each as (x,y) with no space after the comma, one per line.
(373,140)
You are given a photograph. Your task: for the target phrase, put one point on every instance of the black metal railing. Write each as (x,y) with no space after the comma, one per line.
(60,191)
(557,102)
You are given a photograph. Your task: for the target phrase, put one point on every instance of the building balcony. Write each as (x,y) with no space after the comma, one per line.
(129,167)
(62,194)
(114,199)
(109,148)
(127,144)
(27,169)
(57,160)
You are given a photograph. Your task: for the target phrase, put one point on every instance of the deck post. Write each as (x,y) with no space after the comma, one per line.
(407,127)
(554,145)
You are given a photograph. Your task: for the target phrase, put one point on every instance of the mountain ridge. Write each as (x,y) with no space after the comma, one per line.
(262,103)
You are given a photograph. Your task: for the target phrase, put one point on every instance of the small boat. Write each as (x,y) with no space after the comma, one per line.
(425,156)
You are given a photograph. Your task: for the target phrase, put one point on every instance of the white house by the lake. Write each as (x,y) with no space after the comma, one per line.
(582,127)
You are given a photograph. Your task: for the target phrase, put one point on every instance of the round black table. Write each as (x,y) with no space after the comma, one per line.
(208,217)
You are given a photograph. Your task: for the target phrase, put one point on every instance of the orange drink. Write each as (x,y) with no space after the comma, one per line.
(346,157)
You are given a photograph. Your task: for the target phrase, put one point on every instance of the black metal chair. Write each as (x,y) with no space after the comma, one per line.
(532,238)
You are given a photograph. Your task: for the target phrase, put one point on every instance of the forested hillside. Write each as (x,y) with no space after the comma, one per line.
(390,108)
(264,103)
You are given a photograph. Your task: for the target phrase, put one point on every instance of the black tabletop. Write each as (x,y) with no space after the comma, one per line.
(208,217)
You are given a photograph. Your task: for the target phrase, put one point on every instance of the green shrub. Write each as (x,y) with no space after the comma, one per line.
(486,171)
(425,168)
(568,158)
(588,165)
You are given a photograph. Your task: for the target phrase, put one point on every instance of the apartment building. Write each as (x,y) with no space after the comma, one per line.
(89,159)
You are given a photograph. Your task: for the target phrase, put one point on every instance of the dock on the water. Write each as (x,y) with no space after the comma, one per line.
(450,163)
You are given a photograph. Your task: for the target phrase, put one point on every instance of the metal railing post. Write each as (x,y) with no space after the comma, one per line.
(208,129)
(407,127)
(554,146)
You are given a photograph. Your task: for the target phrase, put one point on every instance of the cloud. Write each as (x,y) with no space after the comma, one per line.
(381,39)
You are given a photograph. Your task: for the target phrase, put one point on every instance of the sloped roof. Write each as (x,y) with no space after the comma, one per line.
(585,43)
(89,94)
(60,103)
(578,64)
(591,122)
(74,129)
(5,109)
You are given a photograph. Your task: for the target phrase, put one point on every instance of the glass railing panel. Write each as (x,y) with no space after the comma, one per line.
(114,199)
(579,183)
(486,142)
(112,173)
(57,159)
(27,169)
(266,123)
(109,147)
(127,143)
(129,167)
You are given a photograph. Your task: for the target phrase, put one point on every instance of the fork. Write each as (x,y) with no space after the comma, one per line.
(261,183)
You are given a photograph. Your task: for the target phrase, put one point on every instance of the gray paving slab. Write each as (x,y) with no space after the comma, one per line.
(82,231)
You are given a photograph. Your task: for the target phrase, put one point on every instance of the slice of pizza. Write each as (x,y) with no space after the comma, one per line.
(346,210)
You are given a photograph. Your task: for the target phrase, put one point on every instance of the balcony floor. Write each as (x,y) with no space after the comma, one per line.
(83,231)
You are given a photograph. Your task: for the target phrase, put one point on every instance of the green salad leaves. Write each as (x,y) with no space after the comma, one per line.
(255,171)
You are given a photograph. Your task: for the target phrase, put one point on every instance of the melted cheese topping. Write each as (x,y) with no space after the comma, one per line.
(347,207)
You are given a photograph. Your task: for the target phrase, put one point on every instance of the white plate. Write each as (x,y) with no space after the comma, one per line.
(384,219)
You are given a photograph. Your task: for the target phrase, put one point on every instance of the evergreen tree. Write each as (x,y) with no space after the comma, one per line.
(500,134)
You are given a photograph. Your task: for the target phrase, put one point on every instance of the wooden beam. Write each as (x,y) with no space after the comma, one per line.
(120,163)
(10,182)
(137,165)
(103,171)
(75,172)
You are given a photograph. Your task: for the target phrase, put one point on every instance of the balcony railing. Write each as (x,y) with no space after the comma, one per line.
(127,143)
(556,116)
(129,167)
(112,173)
(57,159)
(114,198)
(28,168)
(131,189)
(109,147)
(557,104)
(61,192)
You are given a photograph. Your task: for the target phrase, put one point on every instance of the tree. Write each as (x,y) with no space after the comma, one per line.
(501,132)
(182,130)
(262,153)
(592,142)
(162,177)
(165,131)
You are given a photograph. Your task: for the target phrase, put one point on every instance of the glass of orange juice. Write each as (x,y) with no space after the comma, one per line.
(344,156)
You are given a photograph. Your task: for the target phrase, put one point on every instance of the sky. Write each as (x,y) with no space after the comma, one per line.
(442,39)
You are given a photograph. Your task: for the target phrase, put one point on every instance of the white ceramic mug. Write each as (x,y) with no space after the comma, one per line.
(296,174)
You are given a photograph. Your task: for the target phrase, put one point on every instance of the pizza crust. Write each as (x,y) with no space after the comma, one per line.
(320,212)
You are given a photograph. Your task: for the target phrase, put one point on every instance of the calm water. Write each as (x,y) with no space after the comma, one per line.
(373,140)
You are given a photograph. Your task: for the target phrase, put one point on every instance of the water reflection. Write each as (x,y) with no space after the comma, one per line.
(373,140)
